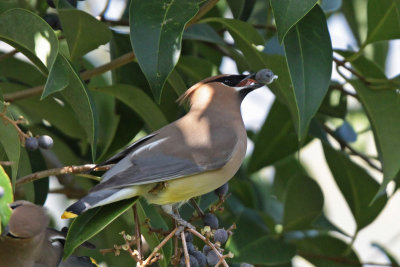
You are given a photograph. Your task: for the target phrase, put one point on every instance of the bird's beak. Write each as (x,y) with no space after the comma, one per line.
(248,82)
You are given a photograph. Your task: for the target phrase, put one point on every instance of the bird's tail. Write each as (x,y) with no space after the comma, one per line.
(99,198)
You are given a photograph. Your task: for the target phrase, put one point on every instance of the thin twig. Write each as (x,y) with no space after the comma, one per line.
(6,119)
(156,249)
(185,250)
(6,163)
(116,63)
(205,240)
(342,63)
(138,233)
(101,15)
(355,152)
(340,88)
(196,206)
(8,54)
(57,171)
(202,11)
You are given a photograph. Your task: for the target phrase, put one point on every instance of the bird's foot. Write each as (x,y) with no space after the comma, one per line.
(182,224)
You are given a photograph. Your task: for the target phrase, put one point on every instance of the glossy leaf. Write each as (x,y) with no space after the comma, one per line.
(266,251)
(288,12)
(83,32)
(31,35)
(75,93)
(139,102)
(241,9)
(11,68)
(10,141)
(356,185)
(88,224)
(156,29)
(277,139)
(320,249)
(246,39)
(5,199)
(383,110)
(383,20)
(309,55)
(41,186)
(203,32)
(303,203)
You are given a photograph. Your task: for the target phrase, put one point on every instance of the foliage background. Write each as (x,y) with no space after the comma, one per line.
(279,208)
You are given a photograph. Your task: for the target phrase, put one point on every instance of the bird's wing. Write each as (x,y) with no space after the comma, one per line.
(156,160)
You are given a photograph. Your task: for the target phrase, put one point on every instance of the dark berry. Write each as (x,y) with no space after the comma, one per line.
(50,3)
(193,261)
(31,143)
(53,21)
(265,76)
(188,237)
(45,142)
(190,247)
(221,235)
(212,258)
(206,249)
(210,220)
(222,190)
(200,257)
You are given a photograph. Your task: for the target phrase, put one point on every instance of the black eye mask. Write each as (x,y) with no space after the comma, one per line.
(231,80)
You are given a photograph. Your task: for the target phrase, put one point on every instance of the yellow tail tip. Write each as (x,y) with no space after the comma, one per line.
(68,215)
(93,261)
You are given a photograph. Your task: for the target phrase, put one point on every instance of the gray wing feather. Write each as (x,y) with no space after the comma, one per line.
(151,162)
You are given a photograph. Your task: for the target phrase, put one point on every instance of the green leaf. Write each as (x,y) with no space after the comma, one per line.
(320,249)
(383,110)
(156,221)
(7,198)
(267,251)
(389,255)
(383,20)
(141,103)
(203,32)
(303,203)
(276,140)
(356,185)
(83,32)
(288,12)
(246,39)
(309,55)
(9,138)
(41,186)
(76,94)
(11,68)
(31,35)
(88,224)
(241,9)
(156,28)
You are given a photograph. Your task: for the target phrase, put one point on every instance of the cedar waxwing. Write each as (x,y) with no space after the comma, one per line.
(190,157)
(28,242)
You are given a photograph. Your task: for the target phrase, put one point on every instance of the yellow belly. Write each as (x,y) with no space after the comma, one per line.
(182,189)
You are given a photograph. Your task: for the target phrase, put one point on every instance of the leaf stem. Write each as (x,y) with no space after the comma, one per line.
(202,11)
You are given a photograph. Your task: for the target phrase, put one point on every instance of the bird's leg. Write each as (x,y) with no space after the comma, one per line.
(173,212)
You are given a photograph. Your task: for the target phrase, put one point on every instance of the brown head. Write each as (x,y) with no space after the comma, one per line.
(221,90)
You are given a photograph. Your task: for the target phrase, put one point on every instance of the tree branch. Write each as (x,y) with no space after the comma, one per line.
(202,11)
(8,54)
(63,170)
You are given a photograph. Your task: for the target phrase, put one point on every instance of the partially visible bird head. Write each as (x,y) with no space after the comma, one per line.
(27,220)
(240,83)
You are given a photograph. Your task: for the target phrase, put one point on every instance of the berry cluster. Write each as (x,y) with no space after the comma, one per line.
(43,141)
